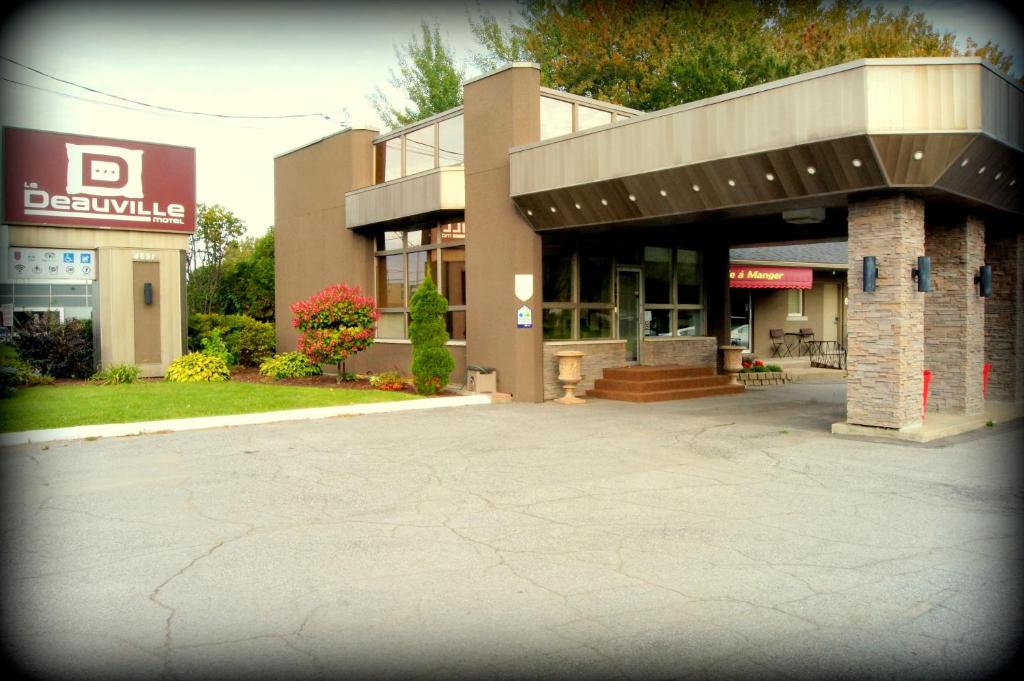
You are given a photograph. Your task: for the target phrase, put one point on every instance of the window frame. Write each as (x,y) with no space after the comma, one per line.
(434,263)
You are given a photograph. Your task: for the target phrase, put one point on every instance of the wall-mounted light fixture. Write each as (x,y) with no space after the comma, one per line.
(870,273)
(147,293)
(922,274)
(984,281)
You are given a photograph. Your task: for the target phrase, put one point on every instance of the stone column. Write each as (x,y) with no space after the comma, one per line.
(1004,315)
(885,327)
(954,314)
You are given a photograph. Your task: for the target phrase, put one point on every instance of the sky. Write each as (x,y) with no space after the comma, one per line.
(260,59)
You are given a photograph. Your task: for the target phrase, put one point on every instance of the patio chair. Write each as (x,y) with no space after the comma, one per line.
(803,337)
(780,348)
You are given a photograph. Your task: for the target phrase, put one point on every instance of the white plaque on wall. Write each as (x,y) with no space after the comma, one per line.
(524,287)
(50,263)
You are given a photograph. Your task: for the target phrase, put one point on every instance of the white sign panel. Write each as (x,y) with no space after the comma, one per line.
(50,263)
(524,287)
(524,318)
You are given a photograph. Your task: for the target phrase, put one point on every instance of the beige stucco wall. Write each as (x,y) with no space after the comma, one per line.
(313,247)
(116,251)
(770,312)
(501,110)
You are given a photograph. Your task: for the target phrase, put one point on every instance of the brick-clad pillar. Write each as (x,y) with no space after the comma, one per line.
(1004,315)
(954,315)
(885,356)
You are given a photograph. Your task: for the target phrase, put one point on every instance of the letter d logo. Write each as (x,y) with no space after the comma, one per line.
(100,170)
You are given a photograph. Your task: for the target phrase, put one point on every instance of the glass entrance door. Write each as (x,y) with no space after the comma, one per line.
(627,301)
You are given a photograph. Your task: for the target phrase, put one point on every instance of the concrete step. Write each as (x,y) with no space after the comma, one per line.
(654,373)
(659,384)
(666,395)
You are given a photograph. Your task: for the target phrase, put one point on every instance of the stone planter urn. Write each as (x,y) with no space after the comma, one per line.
(732,361)
(570,372)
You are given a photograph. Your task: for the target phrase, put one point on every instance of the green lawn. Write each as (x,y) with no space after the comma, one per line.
(79,405)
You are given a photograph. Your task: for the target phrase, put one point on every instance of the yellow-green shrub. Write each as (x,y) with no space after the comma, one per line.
(197,367)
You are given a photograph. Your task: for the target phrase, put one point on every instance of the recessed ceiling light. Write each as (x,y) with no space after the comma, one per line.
(604,202)
(770,177)
(811,170)
(663,192)
(1013,182)
(578,207)
(998,175)
(918,155)
(553,209)
(632,197)
(857,163)
(696,187)
(732,182)
(981,169)
(964,162)
(529,212)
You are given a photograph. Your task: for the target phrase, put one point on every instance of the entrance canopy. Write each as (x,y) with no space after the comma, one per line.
(946,127)
(750,276)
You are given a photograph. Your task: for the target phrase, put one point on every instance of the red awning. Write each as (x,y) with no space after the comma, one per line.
(755,276)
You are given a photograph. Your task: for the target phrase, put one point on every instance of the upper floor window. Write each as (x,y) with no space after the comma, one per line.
(434,145)
(562,117)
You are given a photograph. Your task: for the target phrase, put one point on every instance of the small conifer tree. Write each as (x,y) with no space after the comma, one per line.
(432,361)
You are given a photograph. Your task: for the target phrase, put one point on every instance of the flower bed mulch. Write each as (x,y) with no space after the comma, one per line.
(252,375)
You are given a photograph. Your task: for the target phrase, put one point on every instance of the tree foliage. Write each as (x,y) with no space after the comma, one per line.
(217,228)
(653,54)
(242,283)
(432,361)
(427,76)
(335,323)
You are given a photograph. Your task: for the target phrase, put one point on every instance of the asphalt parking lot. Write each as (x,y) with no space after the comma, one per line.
(729,537)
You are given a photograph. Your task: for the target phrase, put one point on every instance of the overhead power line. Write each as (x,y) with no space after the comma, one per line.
(152,106)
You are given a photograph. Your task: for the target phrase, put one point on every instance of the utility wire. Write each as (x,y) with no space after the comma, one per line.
(155,106)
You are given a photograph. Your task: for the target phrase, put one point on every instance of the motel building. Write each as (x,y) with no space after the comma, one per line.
(790,302)
(98,229)
(554,222)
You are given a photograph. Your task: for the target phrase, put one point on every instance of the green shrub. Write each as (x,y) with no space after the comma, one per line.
(214,346)
(116,375)
(59,349)
(387,380)
(774,367)
(247,340)
(197,367)
(18,372)
(432,361)
(289,365)
(255,343)
(334,324)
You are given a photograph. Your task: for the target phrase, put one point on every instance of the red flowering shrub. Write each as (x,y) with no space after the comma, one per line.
(335,323)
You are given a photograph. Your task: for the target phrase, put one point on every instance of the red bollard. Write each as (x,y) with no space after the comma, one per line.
(927,382)
(984,380)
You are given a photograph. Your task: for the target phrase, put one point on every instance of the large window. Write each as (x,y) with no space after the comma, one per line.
(563,116)
(673,299)
(403,259)
(431,145)
(577,291)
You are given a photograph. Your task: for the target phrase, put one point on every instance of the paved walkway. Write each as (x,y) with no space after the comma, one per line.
(730,537)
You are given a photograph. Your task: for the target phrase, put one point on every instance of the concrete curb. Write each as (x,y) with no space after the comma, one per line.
(143,427)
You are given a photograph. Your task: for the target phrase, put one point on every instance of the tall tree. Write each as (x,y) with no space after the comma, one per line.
(428,77)
(217,229)
(247,286)
(653,54)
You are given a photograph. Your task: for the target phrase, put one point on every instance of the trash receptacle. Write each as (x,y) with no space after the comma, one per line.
(481,379)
